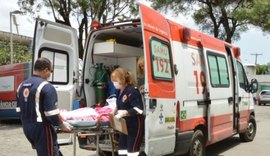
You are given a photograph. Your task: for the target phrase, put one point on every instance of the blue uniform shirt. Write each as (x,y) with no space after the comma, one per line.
(37,101)
(130,99)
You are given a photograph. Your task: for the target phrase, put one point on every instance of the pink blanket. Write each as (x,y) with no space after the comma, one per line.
(87,114)
(104,113)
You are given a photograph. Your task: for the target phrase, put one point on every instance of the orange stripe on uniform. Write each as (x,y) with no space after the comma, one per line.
(138,135)
(49,141)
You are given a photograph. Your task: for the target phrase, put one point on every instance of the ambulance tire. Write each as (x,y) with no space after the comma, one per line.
(197,147)
(249,135)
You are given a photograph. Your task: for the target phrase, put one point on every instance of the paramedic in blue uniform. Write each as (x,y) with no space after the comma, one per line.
(37,105)
(129,107)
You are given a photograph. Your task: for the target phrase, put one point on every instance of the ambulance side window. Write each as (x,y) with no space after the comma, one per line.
(59,60)
(161,60)
(218,69)
(242,76)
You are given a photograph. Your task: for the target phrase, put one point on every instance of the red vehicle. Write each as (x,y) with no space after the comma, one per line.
(10,78)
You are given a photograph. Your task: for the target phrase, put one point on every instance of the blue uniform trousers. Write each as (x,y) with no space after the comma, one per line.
(42,137)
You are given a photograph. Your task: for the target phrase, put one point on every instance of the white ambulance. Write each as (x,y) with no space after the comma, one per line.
(196,92)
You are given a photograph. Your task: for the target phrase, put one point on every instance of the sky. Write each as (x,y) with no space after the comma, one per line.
(252,41)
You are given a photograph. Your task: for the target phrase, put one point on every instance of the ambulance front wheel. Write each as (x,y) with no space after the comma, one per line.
(250,133)
(197,147)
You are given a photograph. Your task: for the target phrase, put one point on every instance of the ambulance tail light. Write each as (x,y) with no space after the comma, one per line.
(236,52)
(95,25)
(181,34)
(186,34)
(186,37)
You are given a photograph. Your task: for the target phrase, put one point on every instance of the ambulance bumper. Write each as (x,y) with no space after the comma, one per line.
(183,142)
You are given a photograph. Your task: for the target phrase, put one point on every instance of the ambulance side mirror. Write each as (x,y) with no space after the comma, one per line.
(253,87)
(175,69)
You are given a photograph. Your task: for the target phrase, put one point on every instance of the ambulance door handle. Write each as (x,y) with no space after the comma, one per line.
(239,99)
(230,100)
(175,69)
(204,102)
(87,81)
(152,103)
(75,80)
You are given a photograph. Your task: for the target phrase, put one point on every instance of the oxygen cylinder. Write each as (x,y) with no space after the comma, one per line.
(100,84)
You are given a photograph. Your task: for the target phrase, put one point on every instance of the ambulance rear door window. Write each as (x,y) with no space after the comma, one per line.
(218,69)
(161,60)
(59,60)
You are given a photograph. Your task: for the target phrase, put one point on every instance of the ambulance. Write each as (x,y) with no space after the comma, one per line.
(196,91)
(11,76)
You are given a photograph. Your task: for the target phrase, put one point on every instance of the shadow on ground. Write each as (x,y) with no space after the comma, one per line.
(10,124)
(218,148)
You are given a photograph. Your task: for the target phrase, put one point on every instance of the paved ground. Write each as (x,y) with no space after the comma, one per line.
(13,142)
(260,145)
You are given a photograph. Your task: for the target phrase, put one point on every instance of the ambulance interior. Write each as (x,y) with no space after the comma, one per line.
(119,46)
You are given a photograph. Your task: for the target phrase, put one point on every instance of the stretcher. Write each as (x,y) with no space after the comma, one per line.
(92,128)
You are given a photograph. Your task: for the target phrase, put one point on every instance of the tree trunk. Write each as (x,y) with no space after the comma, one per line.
(81,29)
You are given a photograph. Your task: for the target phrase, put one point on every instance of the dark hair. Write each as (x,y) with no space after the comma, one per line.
(42,63)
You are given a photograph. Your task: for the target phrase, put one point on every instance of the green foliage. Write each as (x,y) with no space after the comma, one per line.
(216,17)
(85,11)
(177,6)
(262,69)
(20,50)
(256,12)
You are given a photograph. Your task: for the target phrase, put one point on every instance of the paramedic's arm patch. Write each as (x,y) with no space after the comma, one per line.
(135,100)
(18,109)
(50,104)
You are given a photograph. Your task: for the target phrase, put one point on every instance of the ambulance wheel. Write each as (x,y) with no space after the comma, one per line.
(197,147)
(250,133)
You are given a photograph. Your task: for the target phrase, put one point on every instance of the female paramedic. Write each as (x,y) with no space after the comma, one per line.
(129,107)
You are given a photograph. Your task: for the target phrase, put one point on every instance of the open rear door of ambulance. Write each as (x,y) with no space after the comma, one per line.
(59,44)
(159,84)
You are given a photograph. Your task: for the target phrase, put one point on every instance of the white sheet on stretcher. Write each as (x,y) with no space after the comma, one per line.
(87,114)
(82,124)
(82,114)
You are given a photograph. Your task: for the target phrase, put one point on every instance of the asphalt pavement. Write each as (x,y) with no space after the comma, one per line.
(14,143)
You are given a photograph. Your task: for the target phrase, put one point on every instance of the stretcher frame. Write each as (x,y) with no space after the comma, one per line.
(92,128)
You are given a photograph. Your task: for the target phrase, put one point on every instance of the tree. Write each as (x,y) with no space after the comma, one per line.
(216,17)
(21,48)
(63,10)
(262,69)
(257,13)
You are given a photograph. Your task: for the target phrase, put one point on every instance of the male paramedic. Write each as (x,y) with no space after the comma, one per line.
(37,105)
